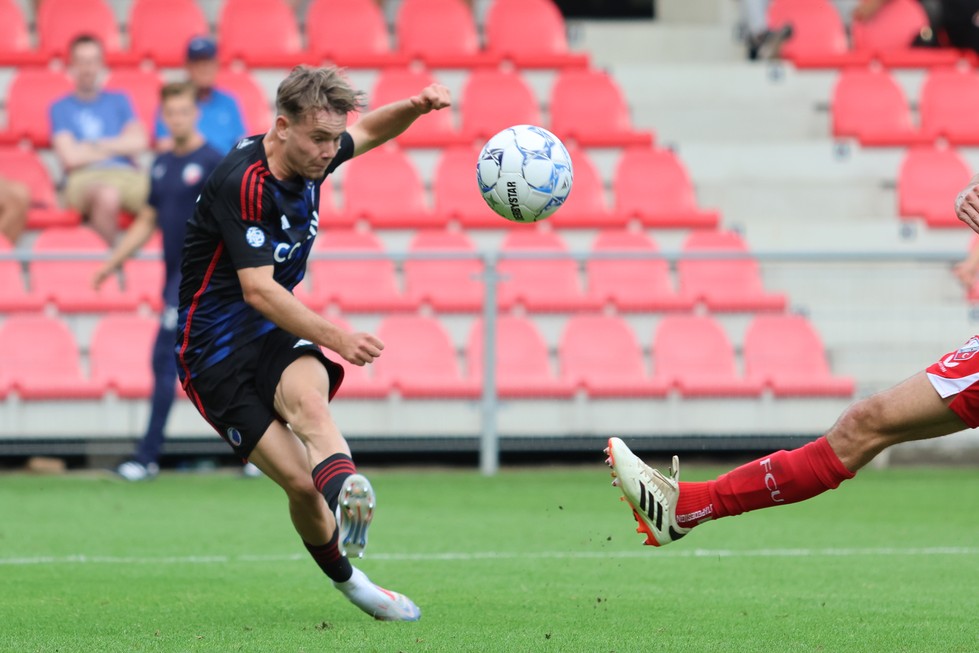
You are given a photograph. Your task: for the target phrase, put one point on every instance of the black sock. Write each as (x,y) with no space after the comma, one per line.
(331,561)
(329,475)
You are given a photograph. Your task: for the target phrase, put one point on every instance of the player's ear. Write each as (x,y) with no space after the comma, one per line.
(281,126)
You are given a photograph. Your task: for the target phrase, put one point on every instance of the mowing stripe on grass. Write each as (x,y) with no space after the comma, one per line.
(468,556)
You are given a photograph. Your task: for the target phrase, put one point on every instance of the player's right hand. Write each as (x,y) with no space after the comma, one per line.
(360,348)
(101,275)
(967,207)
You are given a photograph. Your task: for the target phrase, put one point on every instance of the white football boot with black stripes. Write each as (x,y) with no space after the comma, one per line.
(652,496)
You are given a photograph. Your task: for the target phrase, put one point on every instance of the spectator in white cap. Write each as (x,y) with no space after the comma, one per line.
(220,117)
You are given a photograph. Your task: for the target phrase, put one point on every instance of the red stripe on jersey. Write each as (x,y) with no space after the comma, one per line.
(247,192)
(193,307)
(259,188)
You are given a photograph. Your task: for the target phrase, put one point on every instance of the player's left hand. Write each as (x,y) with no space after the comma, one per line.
(967,207)
(432,98)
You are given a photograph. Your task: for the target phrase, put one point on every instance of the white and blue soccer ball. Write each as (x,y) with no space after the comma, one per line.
(524,173)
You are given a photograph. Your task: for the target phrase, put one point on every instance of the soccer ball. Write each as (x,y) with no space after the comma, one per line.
(524,173)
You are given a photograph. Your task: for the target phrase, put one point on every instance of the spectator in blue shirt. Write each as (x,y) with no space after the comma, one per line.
(177,178)
(220,117)
(97,137)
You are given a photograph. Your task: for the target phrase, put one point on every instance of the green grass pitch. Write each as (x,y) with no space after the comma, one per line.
(530,560)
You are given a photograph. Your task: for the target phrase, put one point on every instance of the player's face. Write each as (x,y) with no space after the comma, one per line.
(202,73)
(313,142)
(86,66)
(179,114)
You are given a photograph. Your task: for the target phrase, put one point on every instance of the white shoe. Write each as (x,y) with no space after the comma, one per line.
(355,510)
(135,471)
(652,496)
(251,470)
(382,604)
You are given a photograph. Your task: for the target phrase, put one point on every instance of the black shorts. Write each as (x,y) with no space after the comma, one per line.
(236,396)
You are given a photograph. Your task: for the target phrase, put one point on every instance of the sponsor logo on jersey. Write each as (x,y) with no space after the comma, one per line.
(285,222)
(963,353)
(243,143)
(192,173)
(301,343)
(255,236)
(234,436)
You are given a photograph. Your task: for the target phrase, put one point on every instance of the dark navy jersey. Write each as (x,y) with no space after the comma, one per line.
(245,218)
(176,181)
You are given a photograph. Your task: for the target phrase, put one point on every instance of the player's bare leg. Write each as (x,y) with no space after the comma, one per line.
(667,509)
(286,456)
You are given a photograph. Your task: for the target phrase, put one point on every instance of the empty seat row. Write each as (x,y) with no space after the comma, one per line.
(587,106)
(351,33)
(927,180)
(819,38)
(651,187)
(870,106)
(598,355)
(624,272)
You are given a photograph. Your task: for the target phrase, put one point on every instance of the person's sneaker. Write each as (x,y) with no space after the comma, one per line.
(382,604)
(251,470)
(651,495)
(355,510)
(136,471)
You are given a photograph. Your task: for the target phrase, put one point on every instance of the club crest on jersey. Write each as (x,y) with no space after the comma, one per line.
(192,173)
(255,236)
(964,353)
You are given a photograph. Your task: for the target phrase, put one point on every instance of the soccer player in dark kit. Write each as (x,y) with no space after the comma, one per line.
(249,352)
(176,180)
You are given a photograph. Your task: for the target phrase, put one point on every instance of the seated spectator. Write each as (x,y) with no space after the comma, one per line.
(97,137)
(15,199)
(220,117)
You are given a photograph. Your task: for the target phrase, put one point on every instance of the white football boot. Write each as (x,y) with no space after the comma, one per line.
(652,496)
(382,604)
(355,510)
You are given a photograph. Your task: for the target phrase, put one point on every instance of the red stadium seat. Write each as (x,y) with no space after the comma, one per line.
(245,29)
(441,33)
(255,107)
(523,366)
(434,129)
(588,107)
(29,98)
(457,195)
(724,284)
(600,355)
(15,42)
(68,283)
(25,166)
(493,100)
(784,353)
(947,96)
(40,360)
(143,89)
(352,33)
(60,21)
(888,35)
(545,284)
(927,181)
(159,30)
(450,285)
(693,354)
(354,285)
(120,354)
(653,186)
(419,360)
(632,284)
(869,106)
(818,35)
(585,206)
(143,278)
(13,295)
(402,202)
(530,34)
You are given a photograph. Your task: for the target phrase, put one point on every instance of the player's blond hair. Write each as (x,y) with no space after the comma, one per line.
(308,89)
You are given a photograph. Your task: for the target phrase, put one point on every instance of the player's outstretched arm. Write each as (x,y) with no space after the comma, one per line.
(384,123)
(263,293)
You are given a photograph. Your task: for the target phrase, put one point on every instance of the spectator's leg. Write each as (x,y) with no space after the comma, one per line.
(15,200)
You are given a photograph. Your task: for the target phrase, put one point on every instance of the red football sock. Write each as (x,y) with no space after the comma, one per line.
(783,477)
